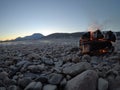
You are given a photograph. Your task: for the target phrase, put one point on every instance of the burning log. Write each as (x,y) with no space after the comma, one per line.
(96,43)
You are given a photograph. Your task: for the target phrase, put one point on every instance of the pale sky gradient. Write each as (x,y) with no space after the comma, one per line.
(25,17)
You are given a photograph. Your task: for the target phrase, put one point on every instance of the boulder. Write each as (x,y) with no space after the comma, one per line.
(76,68)
(84,81)
(102,84)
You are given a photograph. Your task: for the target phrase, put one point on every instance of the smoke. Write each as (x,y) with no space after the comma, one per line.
(103,26)
(94,26)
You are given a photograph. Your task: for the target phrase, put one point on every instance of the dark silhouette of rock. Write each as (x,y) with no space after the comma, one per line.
(84,81)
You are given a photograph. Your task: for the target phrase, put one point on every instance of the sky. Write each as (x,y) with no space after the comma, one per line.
(25,17)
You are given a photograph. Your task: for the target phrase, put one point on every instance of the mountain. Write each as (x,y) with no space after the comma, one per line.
(63,35)
(34,36)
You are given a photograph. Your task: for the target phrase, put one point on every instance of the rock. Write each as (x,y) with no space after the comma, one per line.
(24,82)
(76,68)
(3,88)
(31,75)
(9,82)
(9,62)
(68,77)
(3,75)
(112,72)
(63,83)
(102,84)
(33,56)
(114,84)
(48,61)
(36,68)
(34,86)
(21,63)
(55,78)
(59,63)
(42,78)
(86,58)
(114,59)
(84,81)
(50,87)
(116,67)
(67,64)
(75,58)
(13,87)
(95,60)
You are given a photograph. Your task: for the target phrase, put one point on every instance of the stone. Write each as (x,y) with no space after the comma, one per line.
(48,61)
(59,63)
(3,88)
(102,84)
(36,68)
(21,63)
(31,75)
(13,87)
(95,60)
(76,68)
(34,86)
(114,84)
(84,81)
(24,82)
(63,82)
(50,87)
(86,58)
(9,82)
(42,78)
(33,56)
(55,78)
(3,75)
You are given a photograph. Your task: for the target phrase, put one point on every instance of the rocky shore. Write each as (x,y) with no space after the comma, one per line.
(57,66)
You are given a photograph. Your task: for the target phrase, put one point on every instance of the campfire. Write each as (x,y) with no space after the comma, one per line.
(97,43)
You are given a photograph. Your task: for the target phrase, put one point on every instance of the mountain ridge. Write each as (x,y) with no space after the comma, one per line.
(34,36)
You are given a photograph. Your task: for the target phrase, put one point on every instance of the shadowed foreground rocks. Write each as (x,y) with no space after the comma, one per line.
(84,81)
(57,65)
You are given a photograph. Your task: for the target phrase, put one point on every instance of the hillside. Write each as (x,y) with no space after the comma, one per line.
(34,36)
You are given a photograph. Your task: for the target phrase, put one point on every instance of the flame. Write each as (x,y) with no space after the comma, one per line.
(91,35)
(102,51)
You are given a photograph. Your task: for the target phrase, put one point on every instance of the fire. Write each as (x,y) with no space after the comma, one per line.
(91,35)
(102,51)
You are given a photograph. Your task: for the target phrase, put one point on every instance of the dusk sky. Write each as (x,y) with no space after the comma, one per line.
(25,17)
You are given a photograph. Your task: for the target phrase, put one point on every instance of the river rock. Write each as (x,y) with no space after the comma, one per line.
(114,84)
(55,78)
(84,81)
(3,88)
(48,61)
(102,84)
(76,68)
(50,87)
(86,58)
(59,63)
(36,68)
(34,86)
(3,75)
(24,82)
(13,87)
